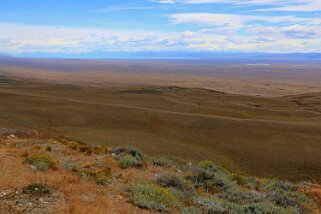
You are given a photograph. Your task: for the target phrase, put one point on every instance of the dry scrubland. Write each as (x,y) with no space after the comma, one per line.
(262,136)
(42,173)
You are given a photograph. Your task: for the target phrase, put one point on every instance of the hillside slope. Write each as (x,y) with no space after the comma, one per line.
(277,137)
(42,173)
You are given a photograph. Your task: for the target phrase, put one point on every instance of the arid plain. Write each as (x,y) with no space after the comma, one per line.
(261,119)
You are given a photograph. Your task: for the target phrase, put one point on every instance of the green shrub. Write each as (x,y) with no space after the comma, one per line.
(150,196)
(128,161)
(208,175)
(161,161)
(36,189)
(41,162)
(173,181)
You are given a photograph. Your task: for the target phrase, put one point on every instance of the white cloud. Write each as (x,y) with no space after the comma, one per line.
(19,38)
(277,5)
(232,20)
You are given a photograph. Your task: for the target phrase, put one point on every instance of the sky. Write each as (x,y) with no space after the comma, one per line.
(84,26)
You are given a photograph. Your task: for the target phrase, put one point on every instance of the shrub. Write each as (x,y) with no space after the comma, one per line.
(280,199)
(128,161)
(280,186)
(216,205)
(104,180)
(150,196)
(211,205)
(41,162)
(173,181)
(36,189)
(239,195)
(252,183)
(265,208)
(71,165)
(161,161)
(208,175)
(136,153)
(192,210)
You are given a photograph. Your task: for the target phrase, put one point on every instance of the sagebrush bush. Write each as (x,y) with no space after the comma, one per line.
(36,189)
(41,162)
(215,205)
(208,175)
(161,161)
(191,210)
(173,181)
(128,161)
(280,186)
(211,205)
(71,165)
(252,183)
(280,199)
(239,195)
(136,153)
(151,196)
(265,208)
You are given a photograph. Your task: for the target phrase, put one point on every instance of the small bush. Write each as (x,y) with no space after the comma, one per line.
(209,176)
(280,186)
(71,165)
(173,181)
(211,205)
(252,183)
(150,196)
(36,189)
(265,208)
(161,161)
(280,199)
(239,195)
(41,162)
(136,153)
(128,161)
(216,205)
(104,180)
(191,210)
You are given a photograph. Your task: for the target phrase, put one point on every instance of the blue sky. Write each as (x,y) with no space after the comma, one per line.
(82,26)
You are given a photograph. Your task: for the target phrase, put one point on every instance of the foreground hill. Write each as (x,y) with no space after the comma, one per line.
(46,174)
(260,136)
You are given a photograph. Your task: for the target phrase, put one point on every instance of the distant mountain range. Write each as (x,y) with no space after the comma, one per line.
(309,57)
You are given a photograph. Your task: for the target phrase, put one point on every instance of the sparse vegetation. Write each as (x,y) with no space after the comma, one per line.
(173,181)
(36,189)
(136,153)
(150,196)
(103,180)
(162,161)
(205,188)
(128,161)
(192,210)
(210,176)
(41,162)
